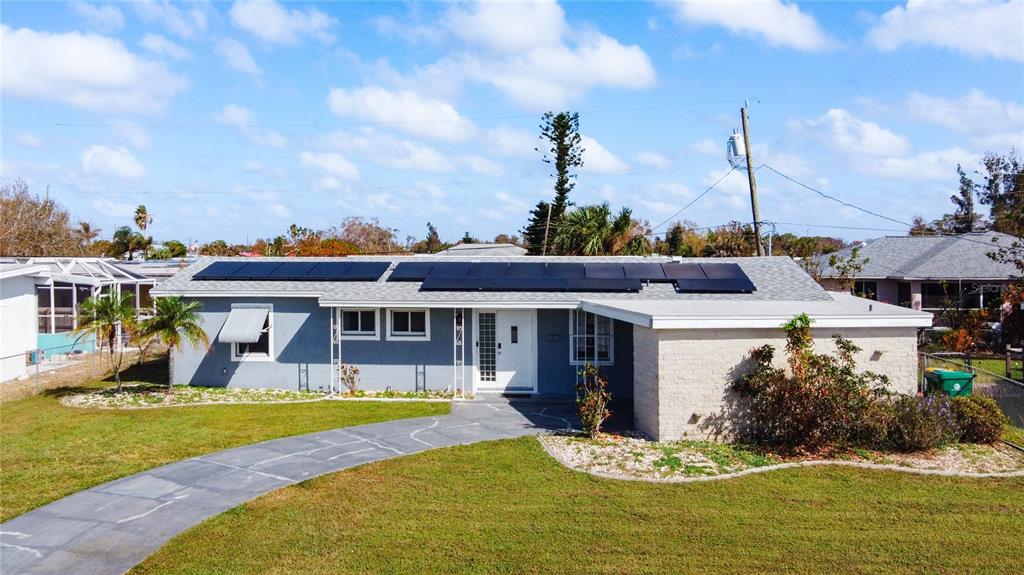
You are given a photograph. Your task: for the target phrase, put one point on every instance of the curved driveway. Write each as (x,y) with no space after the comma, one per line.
(110,528)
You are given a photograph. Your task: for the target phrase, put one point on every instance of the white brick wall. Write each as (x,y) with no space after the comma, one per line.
(681,377)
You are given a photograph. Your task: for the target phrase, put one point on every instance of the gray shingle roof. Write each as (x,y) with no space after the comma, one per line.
(934,257)
(776,278)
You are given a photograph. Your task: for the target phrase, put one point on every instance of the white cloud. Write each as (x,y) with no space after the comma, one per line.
(993,28)
(161,46)
(846,133)
(105,17)
(186,23)
(709,147)
(389,151)
(975,113)
(134,135)
(30,140)
(110,208)
(242,118)
(414,33)
(280,211)
(509,27)
(117,162)
(481,165)
(776,22)
(269,21)
(332,163)
(407,110)
(666,197)
(510,141)
(84,70)
(597,159)
(653,160)
(931,165)
(532,55)
(237,56)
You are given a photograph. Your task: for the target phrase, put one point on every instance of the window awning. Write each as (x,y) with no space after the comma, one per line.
(244,325)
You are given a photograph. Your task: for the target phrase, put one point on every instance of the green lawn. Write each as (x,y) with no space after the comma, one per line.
(998,367)
(507,507)
(48,451)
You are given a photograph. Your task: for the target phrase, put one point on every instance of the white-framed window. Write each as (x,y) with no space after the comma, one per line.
(359,324)
(591,339)
(408,324)
(261,349)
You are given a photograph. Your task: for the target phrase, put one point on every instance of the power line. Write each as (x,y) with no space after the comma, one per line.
(695,200)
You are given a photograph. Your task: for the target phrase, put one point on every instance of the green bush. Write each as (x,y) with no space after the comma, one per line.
(978,419)
(592,400)
(921,423)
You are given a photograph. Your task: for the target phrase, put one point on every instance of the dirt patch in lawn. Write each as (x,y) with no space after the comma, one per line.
(628,457)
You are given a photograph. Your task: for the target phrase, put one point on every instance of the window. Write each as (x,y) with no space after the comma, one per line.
(409,324)
(591,339)
(259,350)
(866,289)
(359,324)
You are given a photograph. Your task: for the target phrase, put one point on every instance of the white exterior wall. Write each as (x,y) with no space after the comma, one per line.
(682,377)
(17,324)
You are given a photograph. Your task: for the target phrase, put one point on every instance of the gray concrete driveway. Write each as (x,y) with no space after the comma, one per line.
(112,527)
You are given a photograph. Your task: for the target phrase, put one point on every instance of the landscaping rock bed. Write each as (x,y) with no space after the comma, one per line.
(629,457)
(140,396)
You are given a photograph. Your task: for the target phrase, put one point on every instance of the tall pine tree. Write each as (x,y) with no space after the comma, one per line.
(964,218)
(562,149)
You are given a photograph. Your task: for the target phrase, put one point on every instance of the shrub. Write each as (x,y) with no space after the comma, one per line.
(592,400)
(921,423)
(978,419)
(823,402)
(348,375)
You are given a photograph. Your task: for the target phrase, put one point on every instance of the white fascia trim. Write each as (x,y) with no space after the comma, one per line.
(261,294)
(419,304)
(768,322)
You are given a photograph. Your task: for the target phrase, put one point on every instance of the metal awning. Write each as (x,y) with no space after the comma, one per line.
(244,325)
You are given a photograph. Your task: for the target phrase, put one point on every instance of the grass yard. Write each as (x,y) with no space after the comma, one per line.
(998,367)
(48,451)
(507,507)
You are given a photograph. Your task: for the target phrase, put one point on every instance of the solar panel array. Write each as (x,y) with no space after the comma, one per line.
(572,276)
(293,271)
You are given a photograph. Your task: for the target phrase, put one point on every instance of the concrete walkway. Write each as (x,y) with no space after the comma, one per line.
(110,528)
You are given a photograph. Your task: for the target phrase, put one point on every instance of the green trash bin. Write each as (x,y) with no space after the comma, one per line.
(952,383)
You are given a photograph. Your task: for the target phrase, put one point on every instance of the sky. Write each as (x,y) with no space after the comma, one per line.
(234,120)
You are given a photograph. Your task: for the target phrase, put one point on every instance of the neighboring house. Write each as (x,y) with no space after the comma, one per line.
(668,335)
(928,272)
(18,315)
(477,250)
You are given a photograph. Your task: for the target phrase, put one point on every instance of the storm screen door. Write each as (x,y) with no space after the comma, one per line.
(506,351)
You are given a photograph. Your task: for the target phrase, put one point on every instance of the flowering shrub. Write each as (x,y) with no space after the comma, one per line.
(592,399)
(823,402)
(921,423)
(978,418)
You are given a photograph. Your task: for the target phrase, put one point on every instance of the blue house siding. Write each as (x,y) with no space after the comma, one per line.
(301,346)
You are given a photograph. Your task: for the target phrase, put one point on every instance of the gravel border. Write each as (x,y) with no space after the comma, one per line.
(776,467)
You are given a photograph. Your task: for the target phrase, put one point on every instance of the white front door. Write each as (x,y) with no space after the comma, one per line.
(506,351)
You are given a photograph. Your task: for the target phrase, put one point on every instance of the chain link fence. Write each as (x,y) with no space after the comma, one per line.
(1008,393)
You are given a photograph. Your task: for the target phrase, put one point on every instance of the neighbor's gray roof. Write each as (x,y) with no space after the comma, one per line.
(473,250)
(933,257)
(776,278)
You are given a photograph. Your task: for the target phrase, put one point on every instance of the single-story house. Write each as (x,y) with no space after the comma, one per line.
(930,272)
(668,334)
(18,313)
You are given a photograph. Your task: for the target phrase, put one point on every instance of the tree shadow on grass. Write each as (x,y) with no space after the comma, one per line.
(153,371)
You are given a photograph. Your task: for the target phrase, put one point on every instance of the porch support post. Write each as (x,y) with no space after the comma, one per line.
(53,310)
(74,306)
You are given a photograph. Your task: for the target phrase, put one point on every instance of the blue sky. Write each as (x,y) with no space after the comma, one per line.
(234,120)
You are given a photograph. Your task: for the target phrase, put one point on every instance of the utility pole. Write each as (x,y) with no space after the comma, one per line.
(753,183)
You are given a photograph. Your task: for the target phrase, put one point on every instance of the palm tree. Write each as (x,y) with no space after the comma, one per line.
(175,321)
(87,233)
(142,217)
(103,315)
(592,231)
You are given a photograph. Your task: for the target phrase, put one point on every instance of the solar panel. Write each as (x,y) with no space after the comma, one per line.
(456,284)
(604,271)
(717,278)
(327,271)
(410,272)
(530,284)
(449,270)
(683,271)
(647,271)
(365,271)
(566,270)
(526,270)
(291,271)
(488,270)
(217,271)
(254,270)
(604,285)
